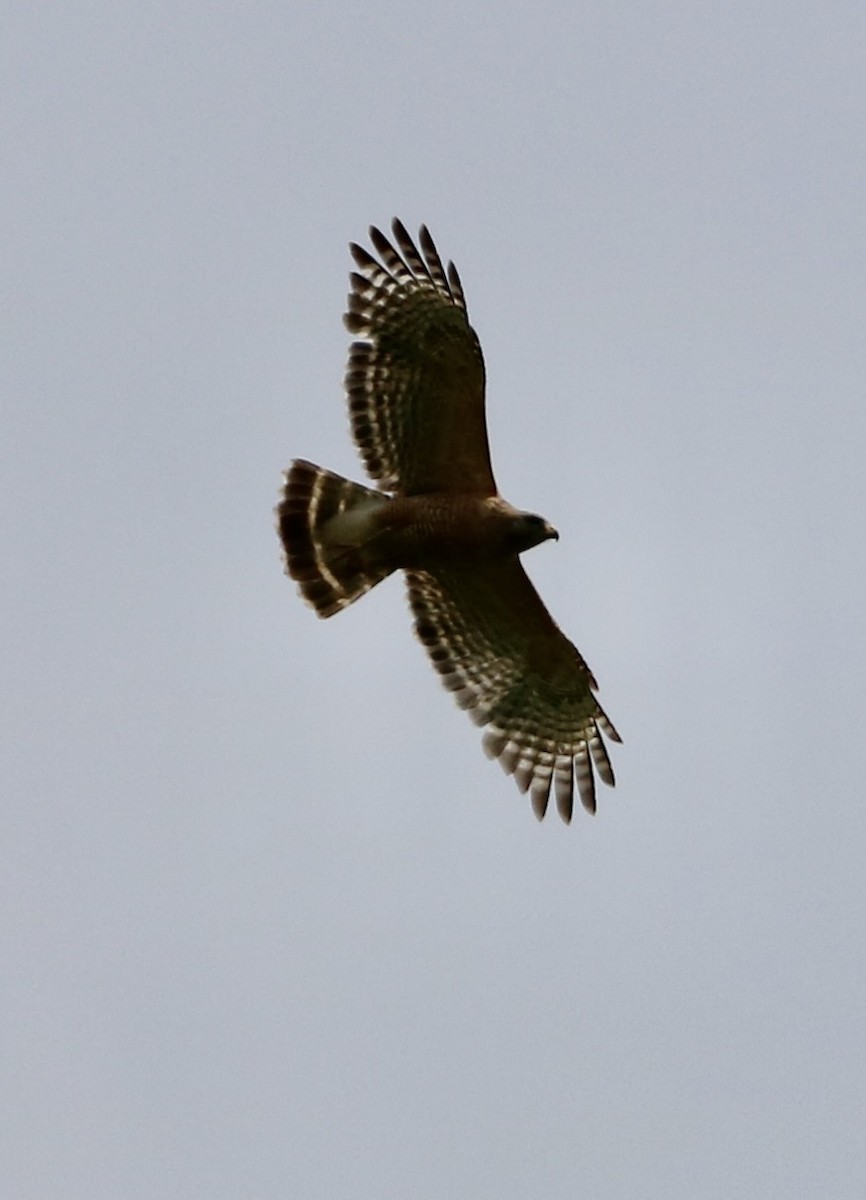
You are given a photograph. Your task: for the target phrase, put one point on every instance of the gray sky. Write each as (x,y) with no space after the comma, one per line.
(273,926)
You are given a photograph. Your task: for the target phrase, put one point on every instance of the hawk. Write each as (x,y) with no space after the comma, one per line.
(415,384)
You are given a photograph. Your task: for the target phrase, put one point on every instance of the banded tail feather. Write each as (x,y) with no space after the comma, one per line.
(325,523)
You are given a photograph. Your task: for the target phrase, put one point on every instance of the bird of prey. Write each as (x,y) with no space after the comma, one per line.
(415,385)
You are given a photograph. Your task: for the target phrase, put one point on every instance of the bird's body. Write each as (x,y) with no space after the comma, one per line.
(416,399)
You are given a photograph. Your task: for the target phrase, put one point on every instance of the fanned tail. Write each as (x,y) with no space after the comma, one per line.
(324,522)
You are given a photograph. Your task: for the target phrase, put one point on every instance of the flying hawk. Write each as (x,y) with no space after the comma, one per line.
(415,383)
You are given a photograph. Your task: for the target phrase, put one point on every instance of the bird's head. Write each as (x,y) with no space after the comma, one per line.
(531,530)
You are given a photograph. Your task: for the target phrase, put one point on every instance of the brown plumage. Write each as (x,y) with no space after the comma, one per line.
(415,383)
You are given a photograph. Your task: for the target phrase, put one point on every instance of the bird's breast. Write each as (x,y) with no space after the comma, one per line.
(423,531)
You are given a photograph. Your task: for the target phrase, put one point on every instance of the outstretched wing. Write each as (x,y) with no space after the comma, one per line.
(416,381)
(499,651)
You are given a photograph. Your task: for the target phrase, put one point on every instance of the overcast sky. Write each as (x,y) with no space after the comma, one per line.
(273,926)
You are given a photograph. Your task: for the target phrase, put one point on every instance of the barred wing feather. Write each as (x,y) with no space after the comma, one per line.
(416,380)
(498,650)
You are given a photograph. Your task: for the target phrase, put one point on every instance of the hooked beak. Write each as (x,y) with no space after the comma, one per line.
(550,531)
